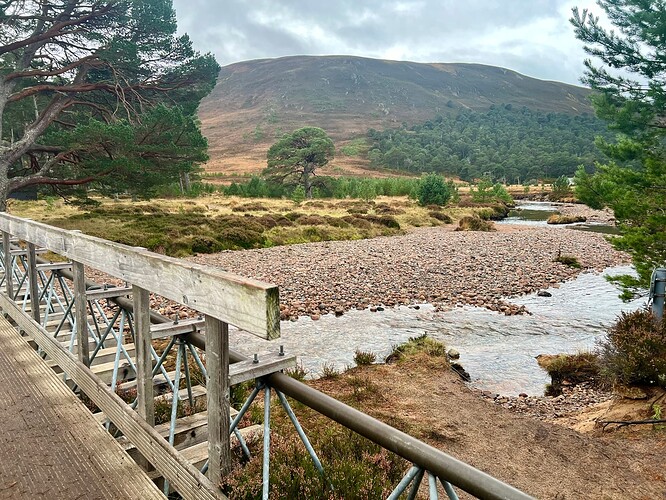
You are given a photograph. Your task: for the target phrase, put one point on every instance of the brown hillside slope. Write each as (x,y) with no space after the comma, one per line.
(254,102)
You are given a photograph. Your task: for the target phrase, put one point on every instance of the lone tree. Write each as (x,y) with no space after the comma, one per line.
(631,87)
(294,158)
(88,93)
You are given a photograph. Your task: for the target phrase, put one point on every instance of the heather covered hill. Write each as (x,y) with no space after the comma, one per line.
(256,101)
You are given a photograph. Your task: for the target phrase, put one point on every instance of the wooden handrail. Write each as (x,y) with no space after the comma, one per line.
(248,304)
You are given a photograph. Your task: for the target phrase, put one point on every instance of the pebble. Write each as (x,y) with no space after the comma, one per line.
(433,265)
(572,400)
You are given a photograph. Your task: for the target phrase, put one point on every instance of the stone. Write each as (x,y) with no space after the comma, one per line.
(544,293)
(453,354)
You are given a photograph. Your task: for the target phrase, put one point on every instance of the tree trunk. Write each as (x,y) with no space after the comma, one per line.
(307,182)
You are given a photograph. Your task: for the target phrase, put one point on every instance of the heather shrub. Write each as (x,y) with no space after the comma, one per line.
(634,350)
(362,358)
(468,223)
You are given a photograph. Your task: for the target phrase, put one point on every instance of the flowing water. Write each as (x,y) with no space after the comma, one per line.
(498,351)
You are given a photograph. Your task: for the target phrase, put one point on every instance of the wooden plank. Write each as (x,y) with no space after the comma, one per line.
(164,330)
(249,370)
(188,480)
(144,360)
(108,293)
(9,275)
(32,282)
(246,303)
(81,313)
(217,386)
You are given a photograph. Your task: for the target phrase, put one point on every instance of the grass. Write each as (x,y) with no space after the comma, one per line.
(572,368)
(181,227)
(415,345)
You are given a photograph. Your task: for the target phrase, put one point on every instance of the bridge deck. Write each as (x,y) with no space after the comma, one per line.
(51,446)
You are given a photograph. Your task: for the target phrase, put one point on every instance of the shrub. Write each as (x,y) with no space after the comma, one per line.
(434,190)
(250,207)
(469,223)
(634,351)
(328,371)
(311,220)
(565,219)
(441,216)
(298,372)
(574,368)
(568,260)
(363,358)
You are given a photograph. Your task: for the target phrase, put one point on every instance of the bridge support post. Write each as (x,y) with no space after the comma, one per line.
(144,360)
(81,312)
(217,386)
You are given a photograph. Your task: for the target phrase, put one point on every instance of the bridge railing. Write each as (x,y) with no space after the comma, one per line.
(36,297)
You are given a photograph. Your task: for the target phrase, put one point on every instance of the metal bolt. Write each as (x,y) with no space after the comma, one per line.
(256,358)
(281,353)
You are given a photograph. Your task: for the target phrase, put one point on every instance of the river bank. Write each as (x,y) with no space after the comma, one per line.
(436,265)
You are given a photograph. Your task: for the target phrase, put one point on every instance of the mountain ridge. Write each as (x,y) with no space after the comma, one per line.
(255,102)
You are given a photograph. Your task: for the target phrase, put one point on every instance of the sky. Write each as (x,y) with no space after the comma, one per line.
(533,37)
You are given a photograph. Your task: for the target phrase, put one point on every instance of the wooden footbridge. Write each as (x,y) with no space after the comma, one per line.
(65,340)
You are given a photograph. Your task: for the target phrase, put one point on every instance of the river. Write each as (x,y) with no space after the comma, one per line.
(498,351)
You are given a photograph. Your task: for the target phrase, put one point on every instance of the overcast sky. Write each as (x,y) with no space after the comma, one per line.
(533,37)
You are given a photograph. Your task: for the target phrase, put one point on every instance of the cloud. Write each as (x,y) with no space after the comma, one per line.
(530,36)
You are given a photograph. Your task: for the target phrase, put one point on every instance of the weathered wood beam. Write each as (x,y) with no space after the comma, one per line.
(144,361)
(246,303)
(217,387)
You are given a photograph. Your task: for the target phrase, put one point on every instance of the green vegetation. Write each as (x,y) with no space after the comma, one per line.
(356,147)
(572,368)
(415,345)
(88,99)
(363,358)
(634,351)
(294,159)
(560,189)
(365,188)
(486,192)
(568,260)
(632,182)
(502,143)
(434,190)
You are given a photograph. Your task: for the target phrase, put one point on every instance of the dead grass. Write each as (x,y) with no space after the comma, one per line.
(209,224)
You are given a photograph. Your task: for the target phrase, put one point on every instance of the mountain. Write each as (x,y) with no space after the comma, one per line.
(255,102)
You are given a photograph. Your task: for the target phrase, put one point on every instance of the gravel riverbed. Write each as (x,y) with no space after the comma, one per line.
(435,265)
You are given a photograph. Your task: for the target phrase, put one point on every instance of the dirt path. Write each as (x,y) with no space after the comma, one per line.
(547,461)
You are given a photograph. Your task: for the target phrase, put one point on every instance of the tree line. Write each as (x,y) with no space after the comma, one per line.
(504,143)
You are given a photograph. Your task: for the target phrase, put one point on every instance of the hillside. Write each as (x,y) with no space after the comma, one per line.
(256,101)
